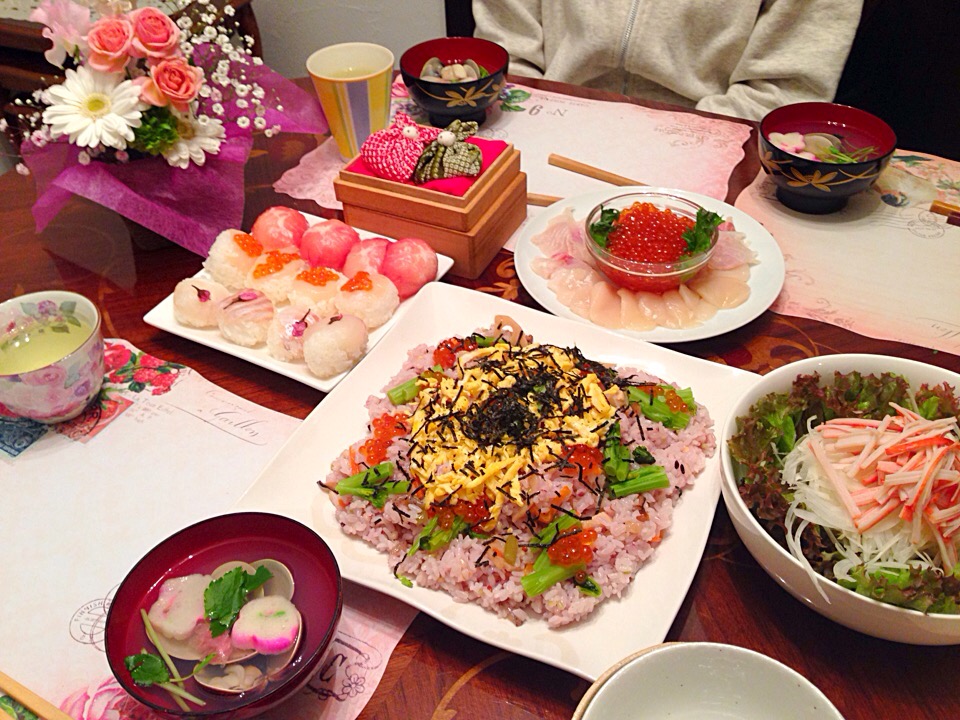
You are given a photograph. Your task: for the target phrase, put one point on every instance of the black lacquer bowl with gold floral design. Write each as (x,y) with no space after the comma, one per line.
(464,100)
(815,185)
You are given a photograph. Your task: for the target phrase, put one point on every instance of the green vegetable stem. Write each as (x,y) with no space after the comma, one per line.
(546,574)
(374,484)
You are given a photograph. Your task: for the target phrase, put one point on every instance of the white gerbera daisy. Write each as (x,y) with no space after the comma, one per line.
(197,140)
(93,108)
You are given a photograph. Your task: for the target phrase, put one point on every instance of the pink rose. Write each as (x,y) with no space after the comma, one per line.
(163,382)
(155,35)
(176,80)
(144,375)
(115,356)
(105,700)
(50,375)
(149,361)
(109,42)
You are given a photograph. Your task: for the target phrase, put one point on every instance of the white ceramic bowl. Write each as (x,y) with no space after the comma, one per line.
(703,681)
(51,355)
(843,606)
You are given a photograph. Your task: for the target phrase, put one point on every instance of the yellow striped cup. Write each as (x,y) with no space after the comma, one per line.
(353,82)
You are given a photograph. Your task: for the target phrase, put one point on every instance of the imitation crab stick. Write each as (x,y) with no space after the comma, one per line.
(903,464)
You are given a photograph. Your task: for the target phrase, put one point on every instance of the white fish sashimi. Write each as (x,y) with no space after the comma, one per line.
(572,285)
(563,235)
(631,316)
(731,250)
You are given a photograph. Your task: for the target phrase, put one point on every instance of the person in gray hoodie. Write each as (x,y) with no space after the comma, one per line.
(732,57)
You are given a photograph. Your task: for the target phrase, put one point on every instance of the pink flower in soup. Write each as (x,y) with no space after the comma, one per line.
(155,36)
(109,41)
(65,24)
(791,142)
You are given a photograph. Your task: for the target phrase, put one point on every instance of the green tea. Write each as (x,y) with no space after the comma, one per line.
(37,349)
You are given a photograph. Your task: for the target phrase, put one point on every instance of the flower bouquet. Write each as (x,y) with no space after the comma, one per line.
(156,113)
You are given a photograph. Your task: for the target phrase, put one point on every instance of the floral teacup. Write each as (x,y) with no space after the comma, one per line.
(51,355)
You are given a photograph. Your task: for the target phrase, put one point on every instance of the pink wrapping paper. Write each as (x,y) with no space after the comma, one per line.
(189,206)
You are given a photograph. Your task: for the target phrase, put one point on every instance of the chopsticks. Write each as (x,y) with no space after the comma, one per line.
(589,170)
(952,212)
(30,700)
(580,168)
(541,200)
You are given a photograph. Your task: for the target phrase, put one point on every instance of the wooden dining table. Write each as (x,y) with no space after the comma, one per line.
(437,672)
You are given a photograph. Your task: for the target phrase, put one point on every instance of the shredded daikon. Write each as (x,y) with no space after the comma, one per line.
(886,493)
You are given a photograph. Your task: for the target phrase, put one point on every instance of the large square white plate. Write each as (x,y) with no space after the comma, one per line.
(766,277)
(617,628)
(162,317)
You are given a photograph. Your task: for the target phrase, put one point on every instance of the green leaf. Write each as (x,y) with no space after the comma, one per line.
(224,596)
(68,307)
(60,329)
(699,236)
(600,229)
(73,321)
(147,669)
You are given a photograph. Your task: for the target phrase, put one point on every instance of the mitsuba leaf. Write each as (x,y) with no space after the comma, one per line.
(224,597)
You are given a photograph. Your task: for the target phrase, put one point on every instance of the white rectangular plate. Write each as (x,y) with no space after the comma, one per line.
(162,317)
(640,618)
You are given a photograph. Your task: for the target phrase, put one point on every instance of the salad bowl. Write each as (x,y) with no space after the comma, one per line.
(846,607)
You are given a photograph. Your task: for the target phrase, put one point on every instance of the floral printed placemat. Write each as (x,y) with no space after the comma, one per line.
(884,266)
(83,501)
(655,147)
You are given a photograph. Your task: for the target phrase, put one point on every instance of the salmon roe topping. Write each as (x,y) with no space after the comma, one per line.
(646,233)
(445,354)
(360,281)
(473,513)
(385,428)
(318,276)
(590,459)
(275,262)
(674,401)
(573,548)
(248,243)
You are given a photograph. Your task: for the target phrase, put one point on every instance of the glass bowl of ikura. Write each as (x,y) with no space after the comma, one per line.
(812,185)
(199,548)
(51,355)
(835,602)
(706,681)
(655,277)
(463,100)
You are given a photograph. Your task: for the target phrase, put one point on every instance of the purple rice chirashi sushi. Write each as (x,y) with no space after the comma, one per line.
(521,476)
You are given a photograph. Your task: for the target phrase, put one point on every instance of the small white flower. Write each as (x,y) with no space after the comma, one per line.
(242,90)
(259,92)
(235,56)
(242,104)
(91,108)
(83,158)
(223,67)
(209,32)
(259,123)
(3,124)
(23,169)
(217,109)
(229,10)
(204,91)
(243,122)
(196,141)
(185,23)
(258,61)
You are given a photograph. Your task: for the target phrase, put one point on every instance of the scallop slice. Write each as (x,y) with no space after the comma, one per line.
(723,291)
(605,305)
(631,316)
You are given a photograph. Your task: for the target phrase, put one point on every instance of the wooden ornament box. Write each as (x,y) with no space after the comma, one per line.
(470,229)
